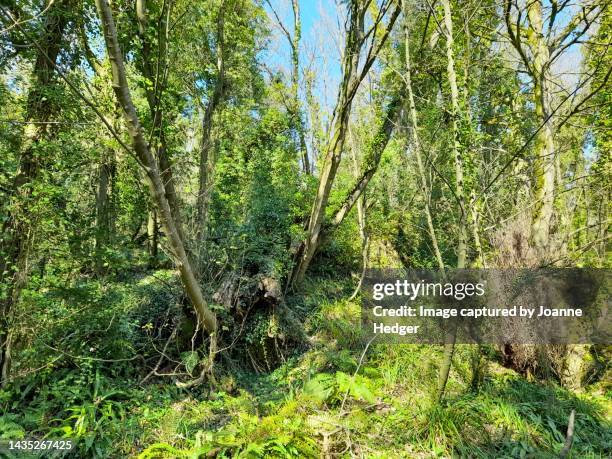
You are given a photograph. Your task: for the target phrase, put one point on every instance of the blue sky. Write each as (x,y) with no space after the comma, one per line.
(319,47)
(318,50)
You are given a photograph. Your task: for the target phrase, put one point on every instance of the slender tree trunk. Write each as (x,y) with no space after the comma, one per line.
(106,173)
(152,238)
(371,159)
(364,235)
(314,115)
(456,146)
(361,218)
(445,367)
(295,81)
(416,143)
(17,229)
(147,161)
(317,214)
(319,233)
(293,105)
(449,348)
(334,148)
(207,156)
(474,221)
(474,207)
(603,226)
(544,161)
(351,79)
(157,77)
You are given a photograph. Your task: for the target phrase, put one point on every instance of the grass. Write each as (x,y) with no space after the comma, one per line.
(315,404)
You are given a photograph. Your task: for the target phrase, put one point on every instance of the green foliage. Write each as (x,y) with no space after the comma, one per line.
(190,360)
(9,429)
(91,421)
(326,388)
(100,338)
(385,405)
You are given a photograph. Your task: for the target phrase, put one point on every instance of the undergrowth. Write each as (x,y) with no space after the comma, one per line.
(338,398)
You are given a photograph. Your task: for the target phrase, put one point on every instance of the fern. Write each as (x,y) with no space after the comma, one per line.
(9,429)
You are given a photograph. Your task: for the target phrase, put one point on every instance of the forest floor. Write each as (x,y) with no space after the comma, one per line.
(333,398)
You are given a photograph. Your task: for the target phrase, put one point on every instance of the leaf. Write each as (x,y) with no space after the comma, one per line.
(10,430)
(320,387)
(553,428)
(361,392)
(190,359)
(355,386)
(89,440)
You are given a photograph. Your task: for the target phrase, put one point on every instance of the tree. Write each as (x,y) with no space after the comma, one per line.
(456,152)
(215,100)
(146,160)
(42,104)
(540,43)
(154,66)
(352,76)
(416,145)
(294,106)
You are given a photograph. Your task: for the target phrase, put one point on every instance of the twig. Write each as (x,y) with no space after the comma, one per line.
(357,370)
(18,23)
(161,357)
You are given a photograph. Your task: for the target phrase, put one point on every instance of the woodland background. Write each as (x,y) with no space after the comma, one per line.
(190,193)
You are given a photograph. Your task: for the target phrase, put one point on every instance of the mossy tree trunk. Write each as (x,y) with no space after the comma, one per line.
(456,151)
(544,146)
(18,228)
(416,144)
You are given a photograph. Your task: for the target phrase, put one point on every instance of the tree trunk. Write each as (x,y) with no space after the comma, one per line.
(371,159)
(295,81)
(456,146)
(17,229)
(106,173)
(154,181)
(335,146)
(416,143)
(573,368)
(208,160)
(351,80)
(154,92)
(544,160)
(474,201)
(474,219)
(449,348)
(152,238)
(362,209)
(445,367)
